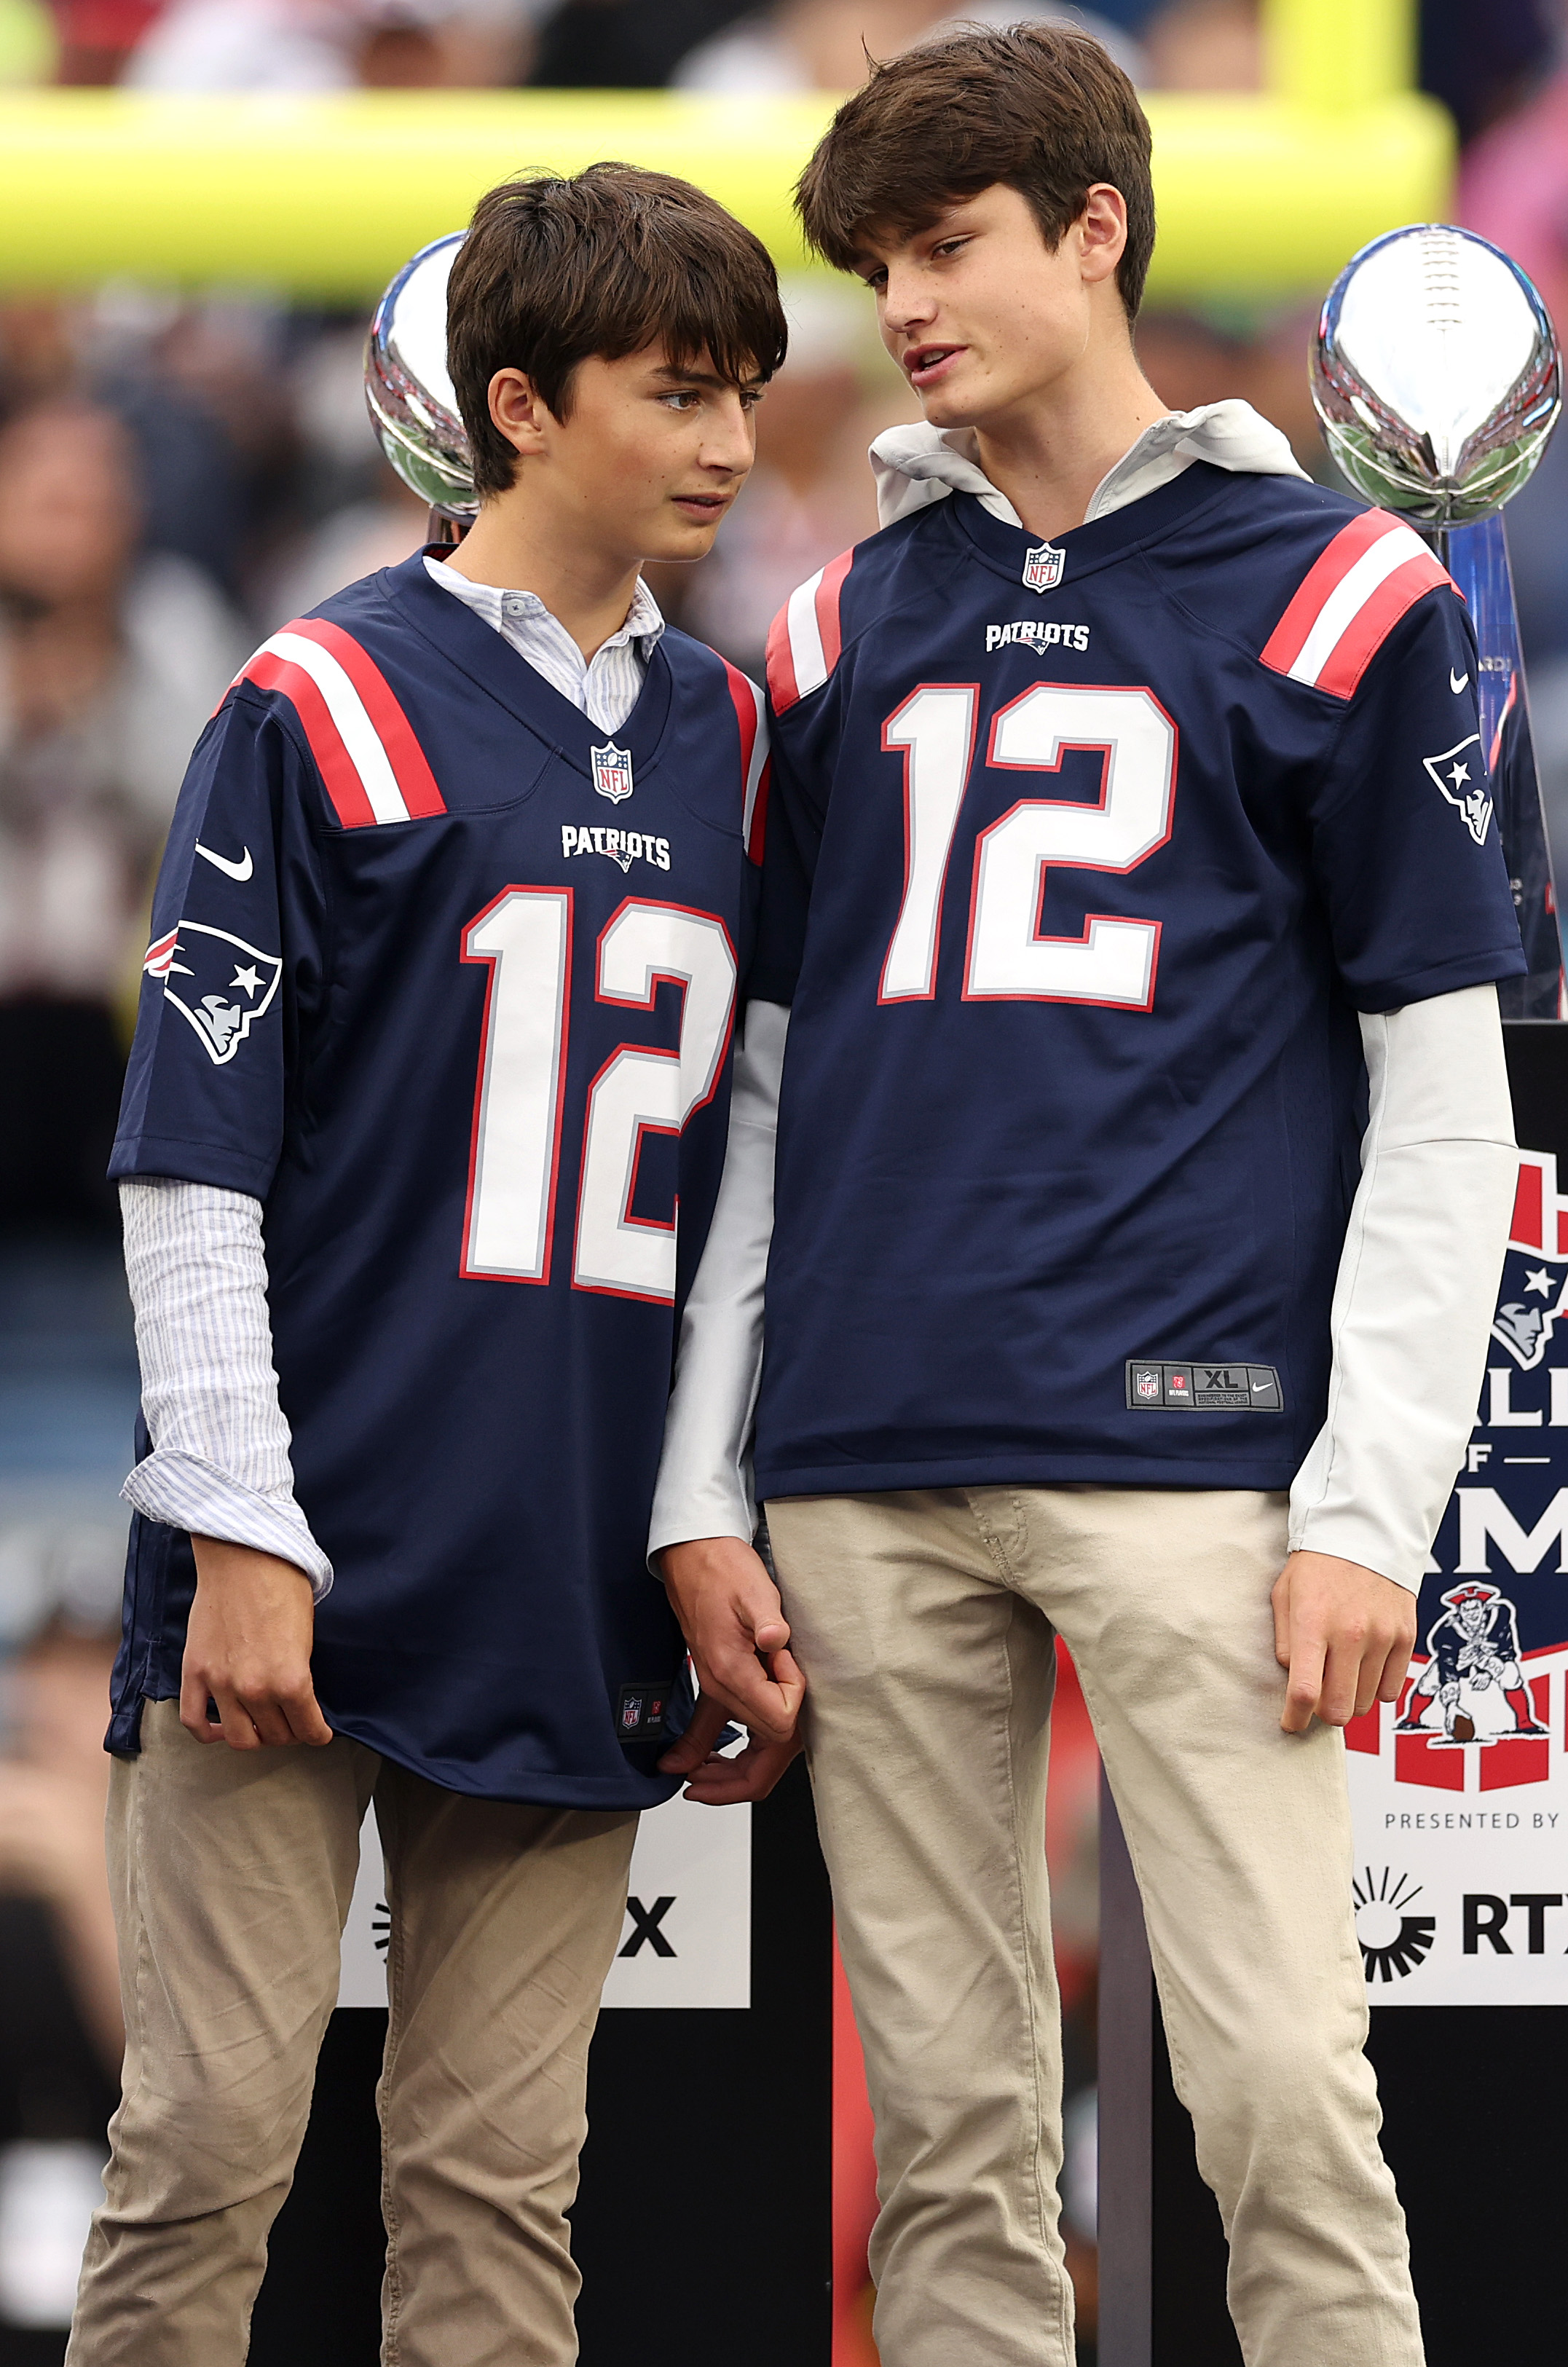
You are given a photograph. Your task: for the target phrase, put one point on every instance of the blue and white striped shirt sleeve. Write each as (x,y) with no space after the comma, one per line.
(219,1465)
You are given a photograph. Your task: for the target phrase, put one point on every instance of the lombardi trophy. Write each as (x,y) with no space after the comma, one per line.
(1437,379)
(412,406)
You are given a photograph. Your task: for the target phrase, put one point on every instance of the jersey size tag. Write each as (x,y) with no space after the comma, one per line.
(639,1712)
(1202,1388)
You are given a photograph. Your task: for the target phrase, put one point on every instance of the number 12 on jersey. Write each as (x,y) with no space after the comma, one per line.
(525,936)
(1007,958)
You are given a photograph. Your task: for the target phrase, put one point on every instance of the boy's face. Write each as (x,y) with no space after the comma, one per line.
(981,315)
(646,462)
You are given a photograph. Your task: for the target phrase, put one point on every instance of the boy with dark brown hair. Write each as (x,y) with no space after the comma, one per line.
(421,1140)
(1143,1169)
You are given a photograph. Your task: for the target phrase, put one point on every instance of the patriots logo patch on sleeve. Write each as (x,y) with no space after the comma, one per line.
(1460,773)
(220,984)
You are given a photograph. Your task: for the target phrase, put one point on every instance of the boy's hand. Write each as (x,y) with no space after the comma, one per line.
(735,1629)
(248,1648)
(717,1782)
(1346,1636)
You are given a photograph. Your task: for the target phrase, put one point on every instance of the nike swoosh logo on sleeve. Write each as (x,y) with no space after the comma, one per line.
(241,870)
(1458,682)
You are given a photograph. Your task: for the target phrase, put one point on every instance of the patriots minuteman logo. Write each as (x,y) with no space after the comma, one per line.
(225,985)
(1042,567)
(612,771)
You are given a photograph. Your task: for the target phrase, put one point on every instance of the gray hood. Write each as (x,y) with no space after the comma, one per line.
(916,465)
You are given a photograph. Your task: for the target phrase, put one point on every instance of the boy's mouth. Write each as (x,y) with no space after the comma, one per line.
(703,509)
(924,365)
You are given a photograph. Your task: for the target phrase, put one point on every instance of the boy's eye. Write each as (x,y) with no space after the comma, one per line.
(876,280)
(949,245)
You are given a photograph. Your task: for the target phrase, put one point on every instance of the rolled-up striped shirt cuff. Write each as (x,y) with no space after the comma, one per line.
(191,1494)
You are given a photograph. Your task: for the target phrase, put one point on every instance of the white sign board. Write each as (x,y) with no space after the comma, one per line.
(686,1940)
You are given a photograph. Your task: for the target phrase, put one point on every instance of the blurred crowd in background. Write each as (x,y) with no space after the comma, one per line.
(178,476)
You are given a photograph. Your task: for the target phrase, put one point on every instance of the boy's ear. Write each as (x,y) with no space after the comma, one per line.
(518,410)
(1102,226)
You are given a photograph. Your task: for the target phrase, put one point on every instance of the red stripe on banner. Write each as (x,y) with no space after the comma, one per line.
(1416,1761)
(1326,572)
(1370,626)
(826,606)
(410,769)
(1523,1761)
(1365,1733)
(1528,1230)
(758,837)
(336,766)
(782,687)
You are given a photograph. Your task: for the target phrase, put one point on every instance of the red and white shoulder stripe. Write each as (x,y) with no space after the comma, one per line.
(159,959)
(364,744)
(806,638)
(756,767)
(1349,602)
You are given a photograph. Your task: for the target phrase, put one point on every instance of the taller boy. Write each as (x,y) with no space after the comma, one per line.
(1107,874)
(434,1044)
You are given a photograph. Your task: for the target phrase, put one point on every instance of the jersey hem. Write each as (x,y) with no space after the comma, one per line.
(1030,1470)
(189,1163)
(123,1740)
(544,1791)
(1442,978)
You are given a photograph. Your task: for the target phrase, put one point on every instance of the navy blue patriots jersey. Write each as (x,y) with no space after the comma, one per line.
(1083,858)
(446,977)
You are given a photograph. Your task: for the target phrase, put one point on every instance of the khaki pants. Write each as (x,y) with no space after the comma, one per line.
(232,1875)
(926,1626)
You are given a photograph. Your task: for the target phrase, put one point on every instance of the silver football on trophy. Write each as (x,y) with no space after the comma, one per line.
(412,406)
(1435,374)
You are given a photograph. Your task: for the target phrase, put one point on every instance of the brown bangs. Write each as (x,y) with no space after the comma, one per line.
(1040,109)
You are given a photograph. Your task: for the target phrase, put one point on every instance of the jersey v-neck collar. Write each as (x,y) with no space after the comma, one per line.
(1100,542)
(492,664)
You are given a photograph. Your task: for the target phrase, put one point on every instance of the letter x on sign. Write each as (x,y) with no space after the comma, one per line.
(646,1921)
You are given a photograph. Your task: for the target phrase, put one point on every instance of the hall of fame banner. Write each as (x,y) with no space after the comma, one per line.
(686,1939)
(1460,1790)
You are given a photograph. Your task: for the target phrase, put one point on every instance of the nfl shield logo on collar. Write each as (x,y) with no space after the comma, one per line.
(1042,567)
(612,771)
